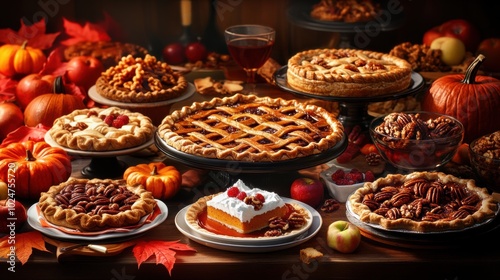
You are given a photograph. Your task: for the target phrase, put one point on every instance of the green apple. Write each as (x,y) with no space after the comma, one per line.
(452,50)
(343,236)
(3,190)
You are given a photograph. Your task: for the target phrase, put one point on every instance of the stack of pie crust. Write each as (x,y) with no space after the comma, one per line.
(249,128)
(102,129)
(348,73)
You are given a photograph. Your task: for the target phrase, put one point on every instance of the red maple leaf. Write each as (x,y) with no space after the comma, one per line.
(90,32)
(7,89)
(25,133)
(34,34)
(164,252)
(25,243)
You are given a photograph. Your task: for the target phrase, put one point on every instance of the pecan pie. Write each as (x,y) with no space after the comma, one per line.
(96,204)
(423,202)
(99,129)
(138,80)
(345,10)
(249,128)
(347,73)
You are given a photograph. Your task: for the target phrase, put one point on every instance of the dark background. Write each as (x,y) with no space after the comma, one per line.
(154,23)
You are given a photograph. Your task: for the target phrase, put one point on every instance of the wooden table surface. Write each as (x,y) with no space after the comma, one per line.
(468,256)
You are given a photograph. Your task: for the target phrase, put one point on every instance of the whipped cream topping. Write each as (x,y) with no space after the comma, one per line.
(239,209)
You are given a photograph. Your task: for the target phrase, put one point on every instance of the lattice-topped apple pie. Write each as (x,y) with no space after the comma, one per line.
(249,128)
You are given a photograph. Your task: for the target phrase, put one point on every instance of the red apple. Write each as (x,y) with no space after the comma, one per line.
(84,71)
(307,190)
(12,215)
(32,86)
(343,236)
(456,28)
(11,118)
(174,54)
(196,51)
(490,48)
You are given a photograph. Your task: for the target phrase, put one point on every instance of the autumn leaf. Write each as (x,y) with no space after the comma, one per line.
(90,32)
(25,133)
(34,34)
(7,89)
(164,252)
(24,244)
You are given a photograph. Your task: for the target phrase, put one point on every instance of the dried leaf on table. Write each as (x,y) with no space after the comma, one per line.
(25,243)
(34,34)
(25,133)
(164,252)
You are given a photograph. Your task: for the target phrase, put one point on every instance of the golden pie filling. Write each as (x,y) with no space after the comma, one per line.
(96,204)
(248,128)
(141,80)
(102,129)
(348,73)
(423,202)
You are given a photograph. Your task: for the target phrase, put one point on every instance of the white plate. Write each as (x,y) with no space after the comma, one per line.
(298,234)
(34,222)
(181,225)
(102,100)
(113,153)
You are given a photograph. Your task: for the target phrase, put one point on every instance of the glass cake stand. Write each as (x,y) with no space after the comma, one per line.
(103,164)
(353,110)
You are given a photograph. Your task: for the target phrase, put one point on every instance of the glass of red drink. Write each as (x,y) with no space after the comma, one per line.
(250,45)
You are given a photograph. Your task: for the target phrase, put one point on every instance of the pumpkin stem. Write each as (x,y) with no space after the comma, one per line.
(471,72)
(155,171)
(24,44)
(58,85)
(29,156)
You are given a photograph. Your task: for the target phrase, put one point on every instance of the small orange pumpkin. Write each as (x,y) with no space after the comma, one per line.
(20,59)
(161,180)
(45,108)
(33,167)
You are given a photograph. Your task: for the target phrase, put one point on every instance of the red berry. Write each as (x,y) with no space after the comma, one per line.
(369,177)
(260,197)
(343,181)
(339,174)
(233,191)
(355,176)
(109,120)
(241,195)
(117,123)
(123,118)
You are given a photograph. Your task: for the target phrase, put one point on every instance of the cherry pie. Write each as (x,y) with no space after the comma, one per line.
(249,128)
(348,73)
(423,202)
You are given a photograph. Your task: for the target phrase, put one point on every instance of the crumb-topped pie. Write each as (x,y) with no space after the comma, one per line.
(102,129)
(423,202)
(249,128)
(348,73)
(96,204)
(138,80)
(345,10)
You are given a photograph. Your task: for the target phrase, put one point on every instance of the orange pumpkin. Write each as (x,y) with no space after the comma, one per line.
(472,99)
(33,167)
(161,180)
(47,107)
(20,59)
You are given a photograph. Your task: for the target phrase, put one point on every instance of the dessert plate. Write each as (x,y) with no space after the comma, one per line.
(254,247)
(294,235)
(53,231)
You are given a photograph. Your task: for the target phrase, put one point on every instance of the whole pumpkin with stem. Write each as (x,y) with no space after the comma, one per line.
(20,59)
(471,98)
(45,108)
(35,166)
(163,181)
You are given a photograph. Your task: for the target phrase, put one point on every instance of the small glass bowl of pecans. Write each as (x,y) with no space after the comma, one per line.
(485,159)
(416,140)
